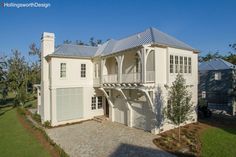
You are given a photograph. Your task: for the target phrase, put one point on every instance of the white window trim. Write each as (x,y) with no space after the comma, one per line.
(178,65)
(85,71)
(61,70)
(92,103)
(101,102)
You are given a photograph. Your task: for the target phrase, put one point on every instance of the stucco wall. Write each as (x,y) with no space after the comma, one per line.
(73,76)
(164,77)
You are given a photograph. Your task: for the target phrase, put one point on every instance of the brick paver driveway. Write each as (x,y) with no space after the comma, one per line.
(93,139)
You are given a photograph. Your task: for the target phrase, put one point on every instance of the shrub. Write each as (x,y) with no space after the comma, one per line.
(47,124)
(21,110)
(37,117)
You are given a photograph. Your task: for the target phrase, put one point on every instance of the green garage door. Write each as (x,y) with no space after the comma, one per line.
(69,103)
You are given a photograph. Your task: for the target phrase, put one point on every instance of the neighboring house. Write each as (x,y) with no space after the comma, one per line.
(217,84)
(122,79)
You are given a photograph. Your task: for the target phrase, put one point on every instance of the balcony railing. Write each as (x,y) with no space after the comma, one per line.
(129,78)
(112,78)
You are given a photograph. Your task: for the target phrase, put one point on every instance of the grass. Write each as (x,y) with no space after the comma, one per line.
(218,142)
(15,139)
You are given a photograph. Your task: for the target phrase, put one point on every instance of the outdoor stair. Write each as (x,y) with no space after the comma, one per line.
(100,119)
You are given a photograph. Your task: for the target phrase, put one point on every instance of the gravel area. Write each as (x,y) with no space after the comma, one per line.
(94,139)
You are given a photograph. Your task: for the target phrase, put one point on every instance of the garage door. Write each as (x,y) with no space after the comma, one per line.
(143,117)
(120,111)
(69,103)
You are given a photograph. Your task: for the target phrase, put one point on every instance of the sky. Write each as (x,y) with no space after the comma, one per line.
(207,25)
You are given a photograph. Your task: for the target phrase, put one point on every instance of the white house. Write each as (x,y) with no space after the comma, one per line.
(122,79)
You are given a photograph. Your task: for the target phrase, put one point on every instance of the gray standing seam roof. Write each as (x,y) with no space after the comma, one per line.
(149,36)
(216,64)
(75,50)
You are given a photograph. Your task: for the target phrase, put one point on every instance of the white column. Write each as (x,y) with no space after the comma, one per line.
(103,61)
(119,60)
(143,54)
(110,104)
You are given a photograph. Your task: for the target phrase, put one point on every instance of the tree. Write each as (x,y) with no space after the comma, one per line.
(3,77)
(67,42)
(179,107)
(34,51)
(91,42)
(18,76)
(233,46)
(231,55)
(34,69)
(209,56)
(79,42)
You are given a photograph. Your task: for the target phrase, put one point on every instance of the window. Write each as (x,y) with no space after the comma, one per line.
(171,64)
(99,102)
(203,94)
(176,64)
(181,64)
(93,104)
(218,76)
(189,65)
(63,70)
(83,70)
(185,65)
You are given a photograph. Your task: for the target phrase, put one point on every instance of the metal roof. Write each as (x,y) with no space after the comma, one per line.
(75,50)
(216,64)
(149,36)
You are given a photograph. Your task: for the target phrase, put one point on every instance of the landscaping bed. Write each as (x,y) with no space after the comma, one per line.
(209,137)
(189,143)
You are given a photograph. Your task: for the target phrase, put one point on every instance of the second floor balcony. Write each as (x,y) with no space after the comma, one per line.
(135,77)
(133,66)
(129,67)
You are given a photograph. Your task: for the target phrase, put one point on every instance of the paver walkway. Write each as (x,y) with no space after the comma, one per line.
(93,139)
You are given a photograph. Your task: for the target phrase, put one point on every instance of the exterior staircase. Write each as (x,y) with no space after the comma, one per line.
(100,119)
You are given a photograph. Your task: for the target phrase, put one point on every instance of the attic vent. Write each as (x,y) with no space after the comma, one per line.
(138,36)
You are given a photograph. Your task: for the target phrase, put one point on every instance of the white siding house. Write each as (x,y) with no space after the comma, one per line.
(121,79)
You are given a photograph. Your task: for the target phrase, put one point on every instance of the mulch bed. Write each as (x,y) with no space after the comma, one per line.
(38,135)
(190,144)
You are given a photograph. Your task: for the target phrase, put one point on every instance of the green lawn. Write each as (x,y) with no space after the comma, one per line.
(218,142)
(15,140)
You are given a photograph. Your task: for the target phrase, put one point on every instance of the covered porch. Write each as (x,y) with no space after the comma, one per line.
(133,66)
